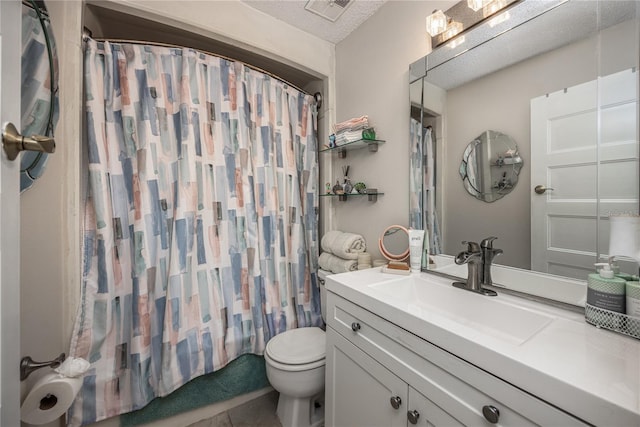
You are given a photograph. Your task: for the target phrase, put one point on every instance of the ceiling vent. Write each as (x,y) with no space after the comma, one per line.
(328,9)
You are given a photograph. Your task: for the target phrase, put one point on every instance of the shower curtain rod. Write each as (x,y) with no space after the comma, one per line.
(32,5)
(161,44)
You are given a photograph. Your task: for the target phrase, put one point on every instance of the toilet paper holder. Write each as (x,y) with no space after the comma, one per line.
(28,365)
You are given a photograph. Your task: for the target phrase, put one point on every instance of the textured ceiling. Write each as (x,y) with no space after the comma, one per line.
(294,13)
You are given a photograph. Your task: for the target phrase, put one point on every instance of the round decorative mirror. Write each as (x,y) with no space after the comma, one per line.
(490,166)
(39,86)
(394,243)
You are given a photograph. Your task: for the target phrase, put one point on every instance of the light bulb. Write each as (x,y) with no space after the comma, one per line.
(436,23)
(476,5)
(452,29)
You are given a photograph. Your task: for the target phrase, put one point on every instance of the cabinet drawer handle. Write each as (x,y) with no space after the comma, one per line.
(355,326)
(396,402)
(491,413)
(413,416)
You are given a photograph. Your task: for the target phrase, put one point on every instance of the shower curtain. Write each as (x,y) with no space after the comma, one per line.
(422,200)
(200,239)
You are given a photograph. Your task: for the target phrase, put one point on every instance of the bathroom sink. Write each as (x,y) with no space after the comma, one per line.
(488,315)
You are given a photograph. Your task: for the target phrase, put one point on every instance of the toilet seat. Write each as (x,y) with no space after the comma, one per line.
(297,349)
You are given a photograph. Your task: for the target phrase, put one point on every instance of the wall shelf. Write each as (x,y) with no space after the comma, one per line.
(371,144)
(372,197)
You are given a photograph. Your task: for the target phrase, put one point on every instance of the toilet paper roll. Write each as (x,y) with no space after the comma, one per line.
(49,398)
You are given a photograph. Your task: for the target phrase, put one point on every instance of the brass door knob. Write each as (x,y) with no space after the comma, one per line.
(541,189)
(14,143)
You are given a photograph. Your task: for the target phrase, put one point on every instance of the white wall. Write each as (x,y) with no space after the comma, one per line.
(51,210)
(50,216)
(372,78)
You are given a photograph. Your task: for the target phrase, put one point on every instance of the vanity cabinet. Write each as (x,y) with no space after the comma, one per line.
(365,393)
(378,374)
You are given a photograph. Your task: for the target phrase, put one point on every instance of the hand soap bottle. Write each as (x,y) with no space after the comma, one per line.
(607,292)
(616,270)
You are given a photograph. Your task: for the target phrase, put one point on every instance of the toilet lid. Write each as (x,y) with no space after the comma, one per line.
(297,346)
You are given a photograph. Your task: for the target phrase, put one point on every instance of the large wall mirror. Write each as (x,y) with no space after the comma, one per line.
(560,78)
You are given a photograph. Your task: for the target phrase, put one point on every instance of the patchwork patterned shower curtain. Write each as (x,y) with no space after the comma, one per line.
(422,199)
(201,226)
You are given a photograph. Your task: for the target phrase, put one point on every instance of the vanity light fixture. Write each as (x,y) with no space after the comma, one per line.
(453,28)
(436,23)
(440,24)
(476,5)
(444,27)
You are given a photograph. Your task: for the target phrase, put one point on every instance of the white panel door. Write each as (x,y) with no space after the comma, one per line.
(10,56)
(589,180)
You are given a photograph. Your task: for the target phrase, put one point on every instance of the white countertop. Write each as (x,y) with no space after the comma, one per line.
(591,373)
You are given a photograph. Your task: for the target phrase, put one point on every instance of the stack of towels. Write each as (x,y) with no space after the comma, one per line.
(353,130)
(340,251)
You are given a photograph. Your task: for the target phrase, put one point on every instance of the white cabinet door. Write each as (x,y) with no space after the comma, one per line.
(360,391)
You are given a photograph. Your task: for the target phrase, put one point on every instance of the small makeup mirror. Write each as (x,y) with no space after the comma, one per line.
(490,166)
(394,243)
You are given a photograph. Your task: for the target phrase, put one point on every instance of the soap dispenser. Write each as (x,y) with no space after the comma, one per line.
(616,270)
(606,291)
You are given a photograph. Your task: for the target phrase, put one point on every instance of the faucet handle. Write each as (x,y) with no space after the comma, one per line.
(471,246)
(488,242)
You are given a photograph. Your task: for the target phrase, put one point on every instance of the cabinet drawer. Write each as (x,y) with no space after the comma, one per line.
(458,387)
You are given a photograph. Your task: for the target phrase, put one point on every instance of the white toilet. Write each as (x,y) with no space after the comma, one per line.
(295,362)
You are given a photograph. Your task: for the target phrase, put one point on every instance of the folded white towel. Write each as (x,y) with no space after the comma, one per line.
(336,264)
(343,245)
(329,239)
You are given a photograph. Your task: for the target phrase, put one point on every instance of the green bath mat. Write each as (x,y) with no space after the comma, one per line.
(243,375)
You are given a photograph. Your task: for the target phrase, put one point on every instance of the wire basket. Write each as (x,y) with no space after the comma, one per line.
(613,321)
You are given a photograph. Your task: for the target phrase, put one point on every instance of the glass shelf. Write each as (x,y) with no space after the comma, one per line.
(372,144)
(373,197)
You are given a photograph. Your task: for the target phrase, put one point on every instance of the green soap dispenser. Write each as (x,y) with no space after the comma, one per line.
(606,291)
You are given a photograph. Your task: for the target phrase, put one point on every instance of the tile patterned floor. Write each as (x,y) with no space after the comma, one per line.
(260,412)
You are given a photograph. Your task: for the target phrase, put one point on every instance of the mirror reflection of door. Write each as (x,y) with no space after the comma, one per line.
(567,158)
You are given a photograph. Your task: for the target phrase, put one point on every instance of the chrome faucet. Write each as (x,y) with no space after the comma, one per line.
(479,269)
(488,254)
(473,258)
